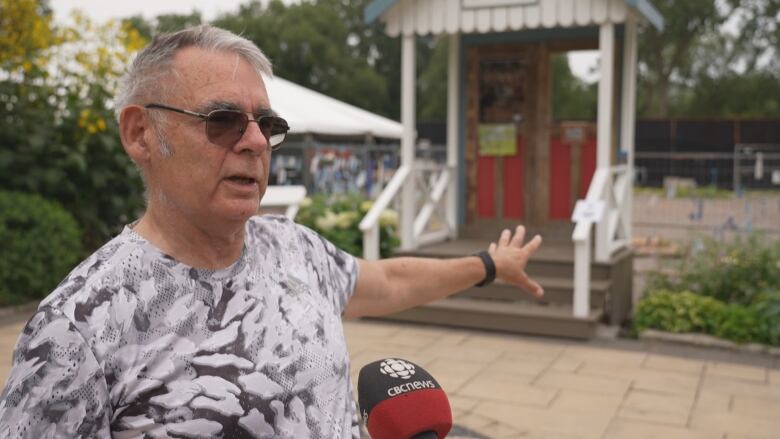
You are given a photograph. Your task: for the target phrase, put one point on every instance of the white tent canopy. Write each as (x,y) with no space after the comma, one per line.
(309,112)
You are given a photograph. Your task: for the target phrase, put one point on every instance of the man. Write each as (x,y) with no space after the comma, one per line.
(200,319)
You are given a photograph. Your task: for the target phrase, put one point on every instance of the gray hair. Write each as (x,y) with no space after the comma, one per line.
(143,77)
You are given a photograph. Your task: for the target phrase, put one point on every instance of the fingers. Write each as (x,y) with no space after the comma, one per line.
(503,241)
(531,286)
(533,244)
(519,237)
(492,248)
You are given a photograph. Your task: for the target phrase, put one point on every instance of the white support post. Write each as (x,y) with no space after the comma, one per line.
(582,276)
(453,79)
(371,243)
(628,118)
(408,118)
(605,118)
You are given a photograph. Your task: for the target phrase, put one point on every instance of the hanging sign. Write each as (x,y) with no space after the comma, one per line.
(497,139)
(590,211)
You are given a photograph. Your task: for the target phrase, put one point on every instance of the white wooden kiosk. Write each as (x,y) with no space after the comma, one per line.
(500,155)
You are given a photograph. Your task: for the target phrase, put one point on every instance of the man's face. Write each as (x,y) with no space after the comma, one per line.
(210,183)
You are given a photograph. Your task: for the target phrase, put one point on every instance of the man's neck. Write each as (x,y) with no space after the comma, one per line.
(191,243)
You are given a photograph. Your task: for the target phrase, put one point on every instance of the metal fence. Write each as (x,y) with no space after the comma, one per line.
(679,196)
(750,166)
(341,167)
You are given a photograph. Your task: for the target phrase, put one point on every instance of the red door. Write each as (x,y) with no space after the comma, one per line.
(572,164)
(500,158)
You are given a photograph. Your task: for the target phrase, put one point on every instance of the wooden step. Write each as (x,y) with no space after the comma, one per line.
(514,317)
(551,260)
(556,291)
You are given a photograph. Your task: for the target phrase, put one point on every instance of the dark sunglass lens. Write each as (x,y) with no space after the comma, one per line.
(225,127)
(274,129)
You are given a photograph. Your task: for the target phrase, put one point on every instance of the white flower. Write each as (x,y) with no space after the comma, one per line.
(388,217)
(327,222)
(345,220)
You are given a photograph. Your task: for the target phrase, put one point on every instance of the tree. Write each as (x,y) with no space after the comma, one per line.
(58,137)
(711,59)
(310,44)
(163,23)
(25,30)
(665,56)
(572,98)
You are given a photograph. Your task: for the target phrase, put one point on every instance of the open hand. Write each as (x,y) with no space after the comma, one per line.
(510,256)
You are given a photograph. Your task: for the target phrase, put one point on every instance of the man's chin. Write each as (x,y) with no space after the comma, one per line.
(239,210)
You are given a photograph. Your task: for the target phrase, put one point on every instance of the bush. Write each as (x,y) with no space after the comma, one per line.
(740,324)
(58,135)
(689,312)
(41,243)
(678,312)
(736,272)
(337,218)
(768,309)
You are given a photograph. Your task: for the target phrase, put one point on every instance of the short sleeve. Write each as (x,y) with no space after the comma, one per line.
(56,387)
(335,270)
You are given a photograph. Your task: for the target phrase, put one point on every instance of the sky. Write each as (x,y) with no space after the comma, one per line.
(581,63)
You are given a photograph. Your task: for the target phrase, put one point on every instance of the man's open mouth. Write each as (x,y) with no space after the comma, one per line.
(241,180)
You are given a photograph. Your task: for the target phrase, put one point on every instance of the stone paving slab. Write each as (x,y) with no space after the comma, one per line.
(507,386)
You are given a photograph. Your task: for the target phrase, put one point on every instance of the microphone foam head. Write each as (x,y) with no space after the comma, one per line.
(399,399)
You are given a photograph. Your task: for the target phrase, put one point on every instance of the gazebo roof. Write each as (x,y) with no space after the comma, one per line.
(482,16)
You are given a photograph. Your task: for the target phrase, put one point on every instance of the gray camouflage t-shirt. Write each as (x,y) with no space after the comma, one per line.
(134,344)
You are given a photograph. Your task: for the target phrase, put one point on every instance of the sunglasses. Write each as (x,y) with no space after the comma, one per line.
(226,127)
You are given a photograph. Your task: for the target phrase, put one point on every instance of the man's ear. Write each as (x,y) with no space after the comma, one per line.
(134,127)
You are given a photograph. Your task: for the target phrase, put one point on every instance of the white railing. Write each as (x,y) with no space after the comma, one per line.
(289,197)
(611,186)
(430,224)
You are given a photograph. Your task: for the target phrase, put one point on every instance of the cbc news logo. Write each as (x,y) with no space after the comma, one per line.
(397,368)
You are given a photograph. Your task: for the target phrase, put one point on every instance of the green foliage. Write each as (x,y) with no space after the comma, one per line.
(729,290)
(163,23)
(322,45)
(41,243)
(768,309)
(740,324)
(733,94)
(58,137)
(666,56)
(710,191)
(678,312)
(337,218)
(25,31)
(572,98)
(733,272)
(696,66)
(689,312)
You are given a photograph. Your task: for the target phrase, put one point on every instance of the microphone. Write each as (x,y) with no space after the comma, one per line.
(401,400)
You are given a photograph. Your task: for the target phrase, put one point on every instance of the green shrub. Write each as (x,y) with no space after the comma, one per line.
(690,312)
(337,218)
(735,272)
(41,243)
(740,324)
(768,308)
(678,312)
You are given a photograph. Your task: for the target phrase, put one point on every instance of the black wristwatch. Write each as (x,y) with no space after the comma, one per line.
(490,268)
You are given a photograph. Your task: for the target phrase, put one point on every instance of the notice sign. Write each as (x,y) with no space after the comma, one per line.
(497,139)
(590,211)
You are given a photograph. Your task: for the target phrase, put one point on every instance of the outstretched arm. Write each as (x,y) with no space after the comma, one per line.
(395,284)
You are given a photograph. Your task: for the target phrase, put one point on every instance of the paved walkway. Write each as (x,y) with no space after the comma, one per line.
(505,386)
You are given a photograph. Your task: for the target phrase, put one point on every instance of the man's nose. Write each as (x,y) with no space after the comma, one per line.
(253,139)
